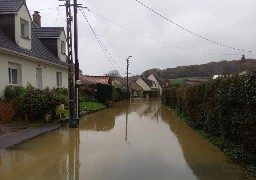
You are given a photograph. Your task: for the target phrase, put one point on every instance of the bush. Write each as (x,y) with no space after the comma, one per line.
(13,92)
(33,103)
(105,92)
(37,103)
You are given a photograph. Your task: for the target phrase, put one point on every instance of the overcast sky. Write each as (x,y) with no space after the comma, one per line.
(230,22)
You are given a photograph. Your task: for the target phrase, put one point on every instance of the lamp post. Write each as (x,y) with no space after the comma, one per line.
(127,85)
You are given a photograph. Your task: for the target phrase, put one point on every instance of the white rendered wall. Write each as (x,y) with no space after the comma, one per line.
(28,71)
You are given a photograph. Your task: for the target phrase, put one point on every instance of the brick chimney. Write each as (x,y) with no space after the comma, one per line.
(37,18)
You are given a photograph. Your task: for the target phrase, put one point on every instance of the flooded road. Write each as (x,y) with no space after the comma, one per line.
(136,141)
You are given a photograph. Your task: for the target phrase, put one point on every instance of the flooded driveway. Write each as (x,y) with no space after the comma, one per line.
(136,141)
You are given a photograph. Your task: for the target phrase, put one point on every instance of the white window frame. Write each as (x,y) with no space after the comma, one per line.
(59,79)
(12,67)
(24,28)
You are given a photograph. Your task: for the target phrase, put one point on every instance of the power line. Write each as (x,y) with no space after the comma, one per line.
(191,32)
(160,41)
(103,48)
(104,30)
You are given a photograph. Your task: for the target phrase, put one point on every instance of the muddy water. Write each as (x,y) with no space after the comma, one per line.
(135,141)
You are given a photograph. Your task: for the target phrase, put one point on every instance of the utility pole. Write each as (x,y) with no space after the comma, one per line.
(76,60)
(127,82)
(70,61)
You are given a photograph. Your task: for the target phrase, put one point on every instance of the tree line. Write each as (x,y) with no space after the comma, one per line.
(223,67)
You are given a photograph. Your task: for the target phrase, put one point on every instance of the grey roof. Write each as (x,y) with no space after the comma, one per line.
(48,32)
(10,6)
(38,49)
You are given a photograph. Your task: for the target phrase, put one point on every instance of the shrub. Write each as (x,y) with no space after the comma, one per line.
(37,103)
(105,92)
(13,92)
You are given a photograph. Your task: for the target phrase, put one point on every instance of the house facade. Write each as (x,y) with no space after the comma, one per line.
(29,53)
(158,82)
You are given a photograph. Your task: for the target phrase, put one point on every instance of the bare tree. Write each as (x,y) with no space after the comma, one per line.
(113,73)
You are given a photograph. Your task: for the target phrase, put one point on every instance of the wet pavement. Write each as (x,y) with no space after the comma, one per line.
(140,140)
(12,135)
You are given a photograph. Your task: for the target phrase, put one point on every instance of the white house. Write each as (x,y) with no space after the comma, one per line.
(30,53)
(158,82)
(144,83)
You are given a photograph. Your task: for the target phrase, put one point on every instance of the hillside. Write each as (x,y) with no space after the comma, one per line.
(205,70)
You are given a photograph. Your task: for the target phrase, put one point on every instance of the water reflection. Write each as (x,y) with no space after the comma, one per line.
(206,161)
(54,155)
(99,122)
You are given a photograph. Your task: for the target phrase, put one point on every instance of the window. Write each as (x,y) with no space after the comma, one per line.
(59,79)
(13,70)
(63,47)
(24,28)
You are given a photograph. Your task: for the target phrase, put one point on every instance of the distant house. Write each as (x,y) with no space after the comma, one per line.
(30,53)
(158,82)
(133,86)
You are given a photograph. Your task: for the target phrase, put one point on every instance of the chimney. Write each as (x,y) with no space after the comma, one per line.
(37,18)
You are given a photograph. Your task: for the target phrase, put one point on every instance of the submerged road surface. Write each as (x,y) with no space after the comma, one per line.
(139,140)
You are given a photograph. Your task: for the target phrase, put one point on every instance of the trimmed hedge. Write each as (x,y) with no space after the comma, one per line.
(224,108)
(105,93)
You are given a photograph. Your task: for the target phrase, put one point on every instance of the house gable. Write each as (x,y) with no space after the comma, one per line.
(143,84)
(23,28)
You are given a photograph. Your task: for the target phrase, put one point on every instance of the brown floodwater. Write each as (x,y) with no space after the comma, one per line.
(140,140)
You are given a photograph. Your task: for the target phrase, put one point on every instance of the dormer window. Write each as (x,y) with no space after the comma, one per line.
(24,28)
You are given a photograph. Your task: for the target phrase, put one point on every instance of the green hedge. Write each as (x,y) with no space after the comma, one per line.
(105,93)
(224,108)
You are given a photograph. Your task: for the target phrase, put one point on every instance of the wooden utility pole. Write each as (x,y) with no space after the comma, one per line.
(127,81)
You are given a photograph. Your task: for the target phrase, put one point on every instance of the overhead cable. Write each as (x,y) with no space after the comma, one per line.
(185,29)
(160,41)
(103,48)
